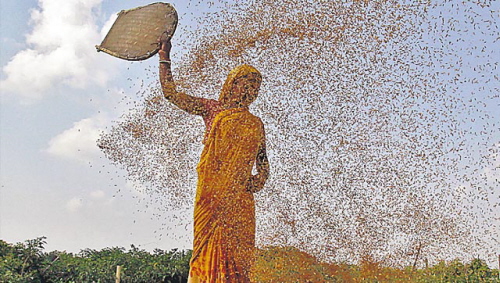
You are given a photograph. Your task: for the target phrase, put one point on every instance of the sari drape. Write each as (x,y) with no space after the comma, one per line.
(224,214)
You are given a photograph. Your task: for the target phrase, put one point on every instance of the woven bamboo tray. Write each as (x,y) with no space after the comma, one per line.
(135,33)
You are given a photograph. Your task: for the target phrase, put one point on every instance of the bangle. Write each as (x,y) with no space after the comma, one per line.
(166,61)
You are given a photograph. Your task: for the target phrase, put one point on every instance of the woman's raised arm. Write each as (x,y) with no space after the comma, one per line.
(188,103)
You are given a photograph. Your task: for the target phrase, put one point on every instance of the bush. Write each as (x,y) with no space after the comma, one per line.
(26,262)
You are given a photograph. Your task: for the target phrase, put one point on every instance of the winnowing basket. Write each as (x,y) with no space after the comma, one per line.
(135,34)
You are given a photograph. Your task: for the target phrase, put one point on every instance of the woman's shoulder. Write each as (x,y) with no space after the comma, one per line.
(254,118)
(212,106)
(210,103)
(254,115)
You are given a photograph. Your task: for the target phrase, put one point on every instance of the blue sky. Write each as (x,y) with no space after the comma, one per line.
(58,93)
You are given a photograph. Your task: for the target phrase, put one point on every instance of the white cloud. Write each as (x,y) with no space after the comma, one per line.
(107,26)
(61,51)
(99,194)
(74,204)
(79,142)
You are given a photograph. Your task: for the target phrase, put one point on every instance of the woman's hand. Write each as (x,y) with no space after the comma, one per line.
(255,184)
(165,47)
(188,103)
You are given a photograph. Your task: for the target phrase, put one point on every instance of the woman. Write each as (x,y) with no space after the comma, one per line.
(224,214)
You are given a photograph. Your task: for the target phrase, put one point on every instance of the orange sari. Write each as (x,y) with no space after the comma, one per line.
(224,214)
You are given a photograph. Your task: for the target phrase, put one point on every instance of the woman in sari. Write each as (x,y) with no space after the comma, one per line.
(224,213)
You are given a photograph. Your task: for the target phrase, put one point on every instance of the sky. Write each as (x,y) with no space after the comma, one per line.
(57,95)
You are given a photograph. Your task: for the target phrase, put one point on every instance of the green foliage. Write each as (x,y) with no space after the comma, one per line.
(288,264)
(27,262)
(455,271)
(22,262)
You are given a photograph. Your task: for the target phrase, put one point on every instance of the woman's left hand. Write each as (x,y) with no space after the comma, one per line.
(254,184)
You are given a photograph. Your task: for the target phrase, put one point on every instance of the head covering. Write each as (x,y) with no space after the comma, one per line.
(237,72)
